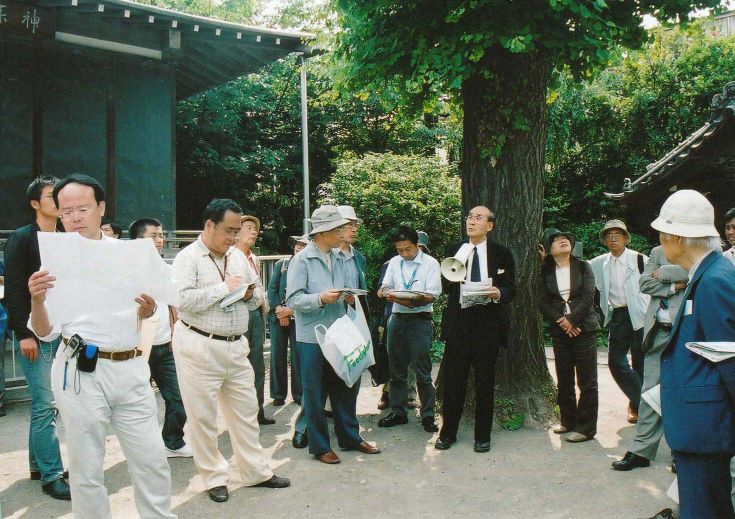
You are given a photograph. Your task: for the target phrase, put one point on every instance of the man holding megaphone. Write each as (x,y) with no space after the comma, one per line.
(480,280)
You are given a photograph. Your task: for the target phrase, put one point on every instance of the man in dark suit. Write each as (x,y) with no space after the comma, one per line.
(697,394)
(474,334)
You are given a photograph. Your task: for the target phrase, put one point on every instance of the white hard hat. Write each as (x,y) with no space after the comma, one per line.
(687,213)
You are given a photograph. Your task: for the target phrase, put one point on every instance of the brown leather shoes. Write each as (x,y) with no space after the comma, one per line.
(632,415)
(330,458)
(366,448)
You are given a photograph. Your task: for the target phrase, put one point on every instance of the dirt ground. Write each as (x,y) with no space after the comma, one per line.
(528,473)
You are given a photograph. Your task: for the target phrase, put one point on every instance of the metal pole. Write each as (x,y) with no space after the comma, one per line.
(305,146)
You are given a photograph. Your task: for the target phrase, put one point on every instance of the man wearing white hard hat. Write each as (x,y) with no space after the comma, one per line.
(697,394)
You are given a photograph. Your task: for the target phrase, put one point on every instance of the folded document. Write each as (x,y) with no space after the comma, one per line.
(713,351)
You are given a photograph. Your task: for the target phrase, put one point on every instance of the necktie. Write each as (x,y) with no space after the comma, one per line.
(475,274)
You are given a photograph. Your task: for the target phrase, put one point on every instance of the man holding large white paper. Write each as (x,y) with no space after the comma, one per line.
(99,377)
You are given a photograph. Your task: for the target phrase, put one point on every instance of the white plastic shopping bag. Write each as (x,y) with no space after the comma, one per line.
(347,344)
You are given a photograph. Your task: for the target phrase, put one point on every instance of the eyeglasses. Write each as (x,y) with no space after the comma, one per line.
(729,227)
(234,233)
(478,218)
(68,214)
(613,236)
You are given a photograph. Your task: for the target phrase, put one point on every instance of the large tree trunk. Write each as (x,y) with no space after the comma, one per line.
(505,124)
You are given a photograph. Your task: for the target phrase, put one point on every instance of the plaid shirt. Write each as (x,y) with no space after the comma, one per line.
(199,275)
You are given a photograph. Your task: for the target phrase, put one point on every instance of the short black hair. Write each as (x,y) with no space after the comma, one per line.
(403,233)
(730,214)
(138,227)
(36,187)
(216,209)
(85,180)
(116,228)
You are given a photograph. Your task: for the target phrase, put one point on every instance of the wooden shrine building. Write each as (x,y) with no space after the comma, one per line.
(91,87)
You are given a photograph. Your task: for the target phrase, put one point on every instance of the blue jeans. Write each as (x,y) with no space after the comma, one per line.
(163,371)
(319,381)
(43,441)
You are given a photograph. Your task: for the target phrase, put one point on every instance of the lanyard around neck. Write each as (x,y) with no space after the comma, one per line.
(407,284)
(221,272)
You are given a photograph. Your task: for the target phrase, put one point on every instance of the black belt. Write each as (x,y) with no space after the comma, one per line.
(664,326)
(228,338)
(417,315)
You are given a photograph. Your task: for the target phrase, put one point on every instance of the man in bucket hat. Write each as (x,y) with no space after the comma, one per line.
(314,279)
(698,395)
(623,306)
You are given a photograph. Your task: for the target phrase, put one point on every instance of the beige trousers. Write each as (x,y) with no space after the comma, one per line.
(212,371)
(118,395)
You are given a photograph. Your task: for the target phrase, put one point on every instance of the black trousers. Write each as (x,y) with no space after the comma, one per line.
(623,339)
(577,354)
(163,371)
(473,342)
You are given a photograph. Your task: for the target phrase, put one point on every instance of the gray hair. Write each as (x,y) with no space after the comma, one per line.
(704,242)
(701,242)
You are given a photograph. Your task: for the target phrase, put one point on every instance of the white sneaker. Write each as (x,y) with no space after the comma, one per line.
(183,452)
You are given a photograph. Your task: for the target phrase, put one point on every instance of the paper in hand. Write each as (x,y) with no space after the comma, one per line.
(101,276)
(474,293)
(653,398)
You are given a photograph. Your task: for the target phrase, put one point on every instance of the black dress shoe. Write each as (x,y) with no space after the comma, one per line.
(429,424)
(666,513)
(278,402)
(443,444)
(300,440)
(275,482)
(630,461)
(482,446)
(3,409)
(392,420)
(218,494)
(262,420)
(36,475)
(58,489)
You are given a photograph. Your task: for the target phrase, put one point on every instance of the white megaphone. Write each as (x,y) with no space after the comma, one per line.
(454,268)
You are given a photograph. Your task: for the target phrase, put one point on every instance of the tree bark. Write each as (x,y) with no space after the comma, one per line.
(505,125)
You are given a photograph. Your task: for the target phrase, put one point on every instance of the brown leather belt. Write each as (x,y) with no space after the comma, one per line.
(115,355)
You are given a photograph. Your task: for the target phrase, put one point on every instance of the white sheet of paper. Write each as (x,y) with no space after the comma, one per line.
(713,351)
(471,293)
(101,276)
(653,398)
(2,291)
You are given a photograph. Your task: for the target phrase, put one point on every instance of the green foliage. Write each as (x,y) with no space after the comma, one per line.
(423,50)
(609,128)
(387,190)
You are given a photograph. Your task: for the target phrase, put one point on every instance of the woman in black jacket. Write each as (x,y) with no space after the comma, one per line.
(568,305)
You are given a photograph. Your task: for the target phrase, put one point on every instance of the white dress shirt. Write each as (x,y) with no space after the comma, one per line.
(422,274)
(259,298)
(163,330)
(618,271)
(482,255)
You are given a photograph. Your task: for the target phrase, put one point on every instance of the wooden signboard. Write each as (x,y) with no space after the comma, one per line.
(27,20)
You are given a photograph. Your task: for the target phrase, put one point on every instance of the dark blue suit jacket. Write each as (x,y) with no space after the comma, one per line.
(698,396)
